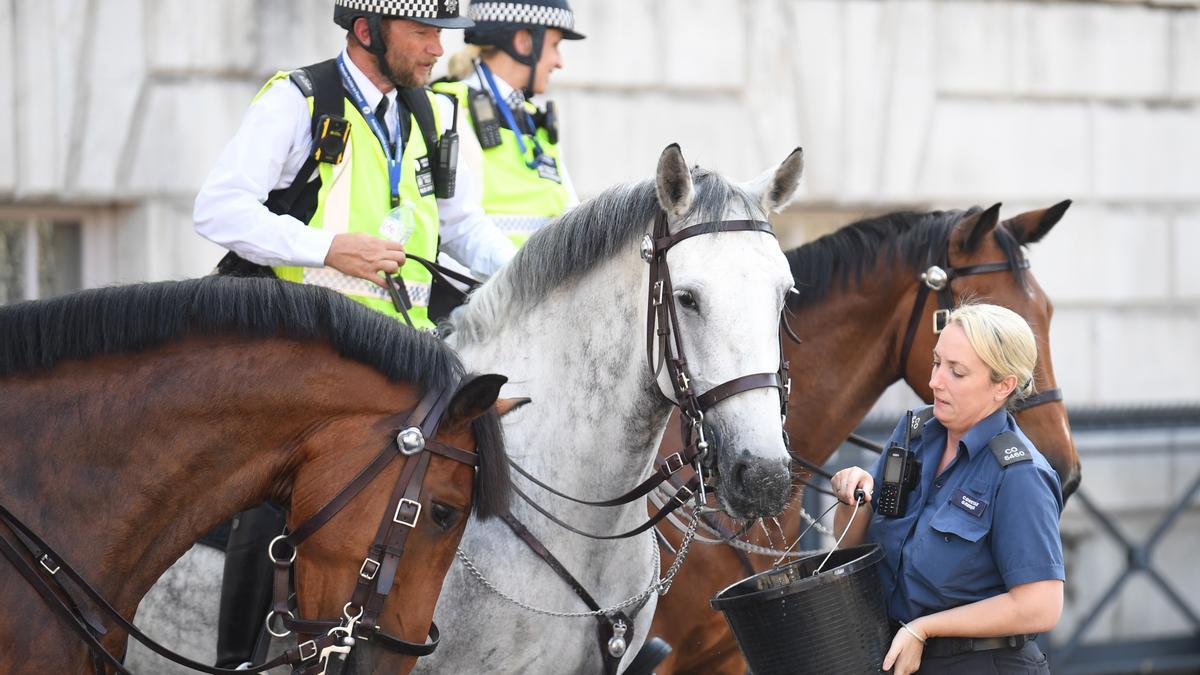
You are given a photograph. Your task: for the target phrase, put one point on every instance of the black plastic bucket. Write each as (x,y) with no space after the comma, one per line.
(788,621)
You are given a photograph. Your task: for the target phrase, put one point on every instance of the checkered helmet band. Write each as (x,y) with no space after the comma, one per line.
(523,13)
(420,9)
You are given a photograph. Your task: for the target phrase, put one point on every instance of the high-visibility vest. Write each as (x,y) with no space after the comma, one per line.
(355,197)
(519,199)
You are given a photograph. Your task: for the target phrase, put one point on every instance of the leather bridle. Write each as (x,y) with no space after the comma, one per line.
(938,278)
(662,329)
(662,322)
(69,598)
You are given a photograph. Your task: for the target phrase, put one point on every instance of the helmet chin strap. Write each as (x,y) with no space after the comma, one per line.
(538,34)
(378,48)
(538,38)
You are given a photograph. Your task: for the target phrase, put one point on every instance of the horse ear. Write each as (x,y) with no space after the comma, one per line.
(1031,226)
(778,186)
(507,405)
(473,398)
(674,182)
(971,230)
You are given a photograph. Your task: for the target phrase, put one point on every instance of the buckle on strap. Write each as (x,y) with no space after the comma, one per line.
(941,319)
(416,513)
(366,573)
(308,650)
(685,493)
(48,564)
(674,462)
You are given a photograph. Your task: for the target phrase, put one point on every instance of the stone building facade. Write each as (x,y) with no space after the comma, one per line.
(112,112)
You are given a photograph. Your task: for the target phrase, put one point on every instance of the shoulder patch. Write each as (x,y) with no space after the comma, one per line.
(1008,449)
(920,417)
(303,81)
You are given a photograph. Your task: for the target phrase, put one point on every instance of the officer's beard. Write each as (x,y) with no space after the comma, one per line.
(403,76)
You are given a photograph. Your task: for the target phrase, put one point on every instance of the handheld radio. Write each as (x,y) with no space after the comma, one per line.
(445,165)
(485,119)
(901,470)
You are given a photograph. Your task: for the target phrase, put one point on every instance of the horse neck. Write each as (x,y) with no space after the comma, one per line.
(595,421)
(848,356)
(140,455)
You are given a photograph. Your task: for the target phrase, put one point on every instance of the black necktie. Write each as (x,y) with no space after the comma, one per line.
(381,115)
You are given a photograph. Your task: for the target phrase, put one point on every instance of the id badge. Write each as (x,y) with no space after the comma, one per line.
(399,223)
(425,183)
(548,168)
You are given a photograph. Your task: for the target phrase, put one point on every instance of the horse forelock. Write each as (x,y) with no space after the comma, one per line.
(910,240)
(493,483)
(572,245)
(37,336)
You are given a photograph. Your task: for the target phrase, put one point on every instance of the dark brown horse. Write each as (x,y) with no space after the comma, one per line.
(135,419)
(857,289)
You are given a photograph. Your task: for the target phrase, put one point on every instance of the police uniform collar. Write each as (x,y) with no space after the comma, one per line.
(511,94)
(978,437)
(370,92)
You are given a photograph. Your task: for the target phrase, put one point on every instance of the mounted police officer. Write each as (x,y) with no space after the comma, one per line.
(338,172)
(377,171)
(514,48)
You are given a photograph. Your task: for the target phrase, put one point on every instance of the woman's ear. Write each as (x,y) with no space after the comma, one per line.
(523,42)
(1005,387)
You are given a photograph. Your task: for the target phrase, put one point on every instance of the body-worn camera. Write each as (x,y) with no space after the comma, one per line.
(901,471)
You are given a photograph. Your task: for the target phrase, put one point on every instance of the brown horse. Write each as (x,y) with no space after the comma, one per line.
(856,293)
(135,419)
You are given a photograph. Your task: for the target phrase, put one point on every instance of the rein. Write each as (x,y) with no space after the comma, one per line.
(938,279)
(662,327)
(335,637)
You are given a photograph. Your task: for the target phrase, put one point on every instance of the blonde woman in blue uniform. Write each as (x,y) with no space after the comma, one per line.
(973,566)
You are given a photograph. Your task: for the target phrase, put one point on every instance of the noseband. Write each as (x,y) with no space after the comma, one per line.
(662,322)
(938,278)
(71,597)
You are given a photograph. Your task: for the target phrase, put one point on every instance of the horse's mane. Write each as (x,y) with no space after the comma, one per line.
(913,239)
(36,336)
(573,244)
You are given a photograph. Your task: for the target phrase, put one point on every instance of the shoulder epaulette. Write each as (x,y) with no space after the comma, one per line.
(1009,449)
(920,417)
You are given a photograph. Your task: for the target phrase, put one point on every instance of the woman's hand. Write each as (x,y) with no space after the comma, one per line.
(846,481)
(904,656)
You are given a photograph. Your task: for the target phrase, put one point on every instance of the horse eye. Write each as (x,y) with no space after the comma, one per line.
(444,516)
(686,299)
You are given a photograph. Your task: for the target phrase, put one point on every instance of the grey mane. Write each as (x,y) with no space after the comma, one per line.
(570,246)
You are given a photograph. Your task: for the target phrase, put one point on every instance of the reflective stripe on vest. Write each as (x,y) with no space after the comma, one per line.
(517,199)
(355,197)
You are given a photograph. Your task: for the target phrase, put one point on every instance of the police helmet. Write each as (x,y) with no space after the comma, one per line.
(438,13)
(497,22)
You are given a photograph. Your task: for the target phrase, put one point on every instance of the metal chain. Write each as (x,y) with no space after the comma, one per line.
(745,545)
(657,585)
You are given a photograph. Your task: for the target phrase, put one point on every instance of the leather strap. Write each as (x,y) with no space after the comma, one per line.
(1040,398)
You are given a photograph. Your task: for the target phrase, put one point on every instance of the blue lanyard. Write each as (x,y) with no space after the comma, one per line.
(394,152)
(506,113)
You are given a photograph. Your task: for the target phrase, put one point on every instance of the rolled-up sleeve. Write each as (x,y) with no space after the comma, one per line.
(1026,544)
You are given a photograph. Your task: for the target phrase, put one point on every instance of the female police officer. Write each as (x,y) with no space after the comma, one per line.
(512,50)
(973,562)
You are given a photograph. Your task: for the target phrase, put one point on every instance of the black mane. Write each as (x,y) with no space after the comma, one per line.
(38,335)
(915,240)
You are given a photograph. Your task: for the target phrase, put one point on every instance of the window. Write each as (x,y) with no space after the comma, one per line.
(39,258)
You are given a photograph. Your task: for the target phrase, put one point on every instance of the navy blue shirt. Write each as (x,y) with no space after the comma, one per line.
(973,532)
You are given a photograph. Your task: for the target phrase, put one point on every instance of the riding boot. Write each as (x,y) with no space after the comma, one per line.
(246,586)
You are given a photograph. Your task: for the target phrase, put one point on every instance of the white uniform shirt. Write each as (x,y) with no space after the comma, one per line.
(266,153)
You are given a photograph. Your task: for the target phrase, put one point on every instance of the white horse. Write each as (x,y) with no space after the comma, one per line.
(566,320)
